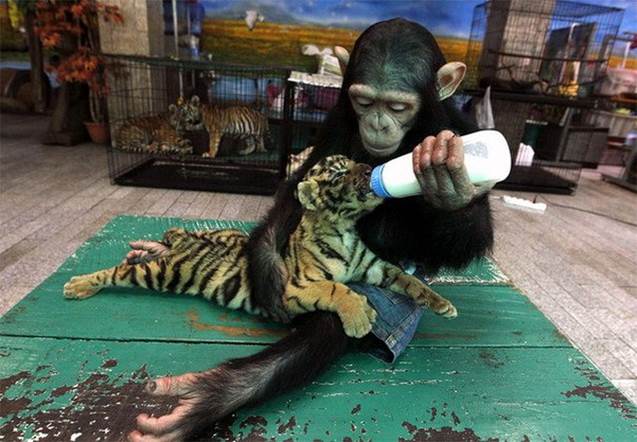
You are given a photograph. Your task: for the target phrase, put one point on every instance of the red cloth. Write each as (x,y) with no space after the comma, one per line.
(272,91)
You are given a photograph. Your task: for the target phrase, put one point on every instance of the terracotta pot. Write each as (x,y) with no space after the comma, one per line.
(99,132)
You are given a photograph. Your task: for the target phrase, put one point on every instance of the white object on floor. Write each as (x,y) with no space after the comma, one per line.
(525,155)
(523,204)
(484,111)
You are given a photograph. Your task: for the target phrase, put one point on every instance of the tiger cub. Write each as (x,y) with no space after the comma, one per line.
(239,122)
(155,133)
(324,252)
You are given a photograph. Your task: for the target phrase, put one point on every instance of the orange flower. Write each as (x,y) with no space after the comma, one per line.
(56,20)
(51,40)
(77,10)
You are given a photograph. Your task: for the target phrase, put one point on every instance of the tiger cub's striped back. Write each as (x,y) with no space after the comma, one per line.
(241,122)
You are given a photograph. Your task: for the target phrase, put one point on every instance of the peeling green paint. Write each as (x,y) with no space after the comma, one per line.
(500,371)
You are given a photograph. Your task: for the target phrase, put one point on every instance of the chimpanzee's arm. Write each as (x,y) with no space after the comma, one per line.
(268,241)
(266,268)
(410,229)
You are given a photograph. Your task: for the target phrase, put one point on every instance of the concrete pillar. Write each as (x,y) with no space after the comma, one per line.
(140,34)
(137,88)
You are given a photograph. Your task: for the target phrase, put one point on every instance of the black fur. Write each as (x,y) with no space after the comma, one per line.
(407,228)
(292,362)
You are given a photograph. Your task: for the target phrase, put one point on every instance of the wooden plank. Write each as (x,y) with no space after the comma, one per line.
(91,391)
(481,271)
(489,315)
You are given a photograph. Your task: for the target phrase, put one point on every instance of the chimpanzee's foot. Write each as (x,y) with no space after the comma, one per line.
(204,398)
(167,428)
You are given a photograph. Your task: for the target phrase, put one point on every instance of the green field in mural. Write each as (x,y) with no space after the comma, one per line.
(280,44)
(272,44)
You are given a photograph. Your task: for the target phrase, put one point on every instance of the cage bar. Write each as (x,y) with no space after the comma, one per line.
(543,60)
(248,159)
(552,47)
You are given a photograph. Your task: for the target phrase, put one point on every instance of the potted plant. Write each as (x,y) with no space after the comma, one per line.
(97,129)
(71,28)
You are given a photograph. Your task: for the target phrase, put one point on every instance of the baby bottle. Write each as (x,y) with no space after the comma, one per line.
(486,157)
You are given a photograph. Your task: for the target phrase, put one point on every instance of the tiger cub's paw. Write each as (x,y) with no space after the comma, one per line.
(357,316)
(444,307)
(80,287)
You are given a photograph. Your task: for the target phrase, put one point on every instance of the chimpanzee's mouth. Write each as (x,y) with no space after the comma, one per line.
(380,149)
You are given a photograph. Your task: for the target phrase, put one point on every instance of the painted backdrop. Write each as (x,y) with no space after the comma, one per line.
(289,24)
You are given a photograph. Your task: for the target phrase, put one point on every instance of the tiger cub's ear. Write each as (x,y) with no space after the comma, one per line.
(307,192)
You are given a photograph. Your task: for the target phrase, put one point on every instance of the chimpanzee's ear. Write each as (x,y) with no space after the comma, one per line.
(307,192)
(194,100)
(449,78)
(343,57)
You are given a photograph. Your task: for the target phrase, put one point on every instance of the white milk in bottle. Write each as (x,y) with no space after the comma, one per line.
(486,157)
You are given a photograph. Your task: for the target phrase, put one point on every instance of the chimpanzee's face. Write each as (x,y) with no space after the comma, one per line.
(384,117)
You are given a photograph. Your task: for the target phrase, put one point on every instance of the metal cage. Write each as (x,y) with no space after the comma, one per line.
(312,96)
(552,47)
(542,60)
(553,128)
(143,88)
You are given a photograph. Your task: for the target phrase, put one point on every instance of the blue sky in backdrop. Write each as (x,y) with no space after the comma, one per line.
(442,17)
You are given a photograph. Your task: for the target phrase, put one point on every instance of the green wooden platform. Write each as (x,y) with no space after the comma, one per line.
(75,370)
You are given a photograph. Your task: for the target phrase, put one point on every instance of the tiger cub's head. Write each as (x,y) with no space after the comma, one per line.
(187,114)
(338,187)
(174,118)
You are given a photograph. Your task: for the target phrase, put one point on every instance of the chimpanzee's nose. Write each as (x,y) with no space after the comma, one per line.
(379,122)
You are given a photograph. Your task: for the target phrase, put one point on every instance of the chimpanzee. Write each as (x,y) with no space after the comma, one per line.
(394,100)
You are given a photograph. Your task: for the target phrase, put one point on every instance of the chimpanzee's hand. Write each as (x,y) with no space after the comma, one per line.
(439,166)
(144,251)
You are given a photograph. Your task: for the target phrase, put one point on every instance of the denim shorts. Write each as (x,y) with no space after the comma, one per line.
(396,322)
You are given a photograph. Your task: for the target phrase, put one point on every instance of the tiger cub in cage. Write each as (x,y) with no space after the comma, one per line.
(161,133)
(240,122)
(324,252)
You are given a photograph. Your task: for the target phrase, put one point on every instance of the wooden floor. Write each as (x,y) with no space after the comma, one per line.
(578,268)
